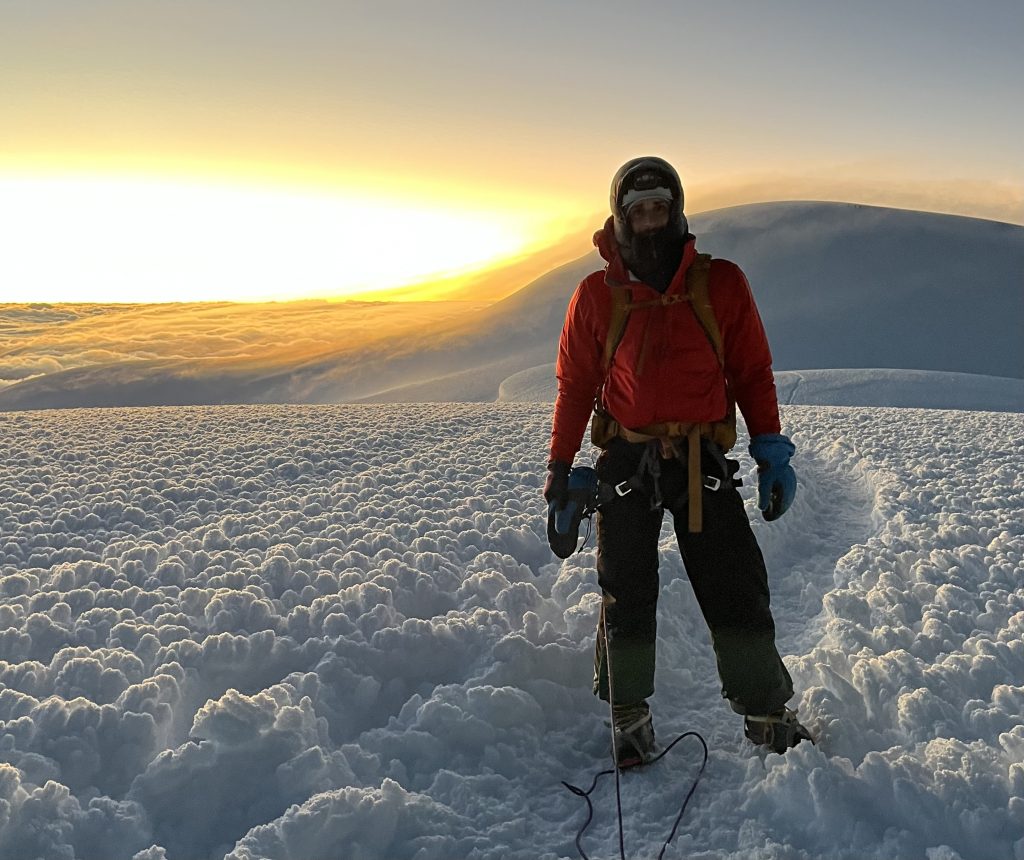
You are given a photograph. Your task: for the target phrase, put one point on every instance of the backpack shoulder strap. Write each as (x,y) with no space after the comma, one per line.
(617,323)
(697,291)
(696,295)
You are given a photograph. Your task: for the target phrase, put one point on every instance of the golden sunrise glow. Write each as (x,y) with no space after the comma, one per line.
(198,151)
(117,239)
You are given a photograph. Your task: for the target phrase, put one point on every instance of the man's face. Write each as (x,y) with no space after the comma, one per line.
(647,216)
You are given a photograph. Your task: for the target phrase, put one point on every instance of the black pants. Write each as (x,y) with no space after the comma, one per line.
(724,565)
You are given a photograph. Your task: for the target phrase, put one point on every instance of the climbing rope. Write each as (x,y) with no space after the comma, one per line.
(579,792)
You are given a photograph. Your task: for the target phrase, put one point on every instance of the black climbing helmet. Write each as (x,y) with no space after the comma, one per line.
(643,179)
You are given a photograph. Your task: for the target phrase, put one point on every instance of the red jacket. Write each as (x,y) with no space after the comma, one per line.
(665,368)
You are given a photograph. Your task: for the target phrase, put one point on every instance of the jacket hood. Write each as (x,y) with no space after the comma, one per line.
(606,243)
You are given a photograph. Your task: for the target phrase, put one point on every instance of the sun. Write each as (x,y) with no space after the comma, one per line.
(118,239)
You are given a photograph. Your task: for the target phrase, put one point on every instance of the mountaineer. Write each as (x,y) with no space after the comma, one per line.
(661,346)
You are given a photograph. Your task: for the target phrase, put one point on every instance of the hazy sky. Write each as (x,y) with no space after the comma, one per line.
(308,146)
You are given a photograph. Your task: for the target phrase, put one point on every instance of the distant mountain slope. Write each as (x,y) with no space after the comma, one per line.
(838,285)
(876,387)
(844,285)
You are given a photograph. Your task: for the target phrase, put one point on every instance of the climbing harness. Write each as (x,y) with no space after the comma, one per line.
(648,476)
(588,493)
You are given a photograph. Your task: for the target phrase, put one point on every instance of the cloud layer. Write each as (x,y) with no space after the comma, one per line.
(838,286)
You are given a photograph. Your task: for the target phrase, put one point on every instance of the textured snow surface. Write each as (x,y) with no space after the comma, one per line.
(337,632)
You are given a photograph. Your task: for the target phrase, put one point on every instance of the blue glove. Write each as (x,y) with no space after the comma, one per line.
(776,480)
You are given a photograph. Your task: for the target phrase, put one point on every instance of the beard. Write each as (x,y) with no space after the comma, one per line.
(654,257)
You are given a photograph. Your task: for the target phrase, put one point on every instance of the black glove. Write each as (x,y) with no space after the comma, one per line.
(556,485)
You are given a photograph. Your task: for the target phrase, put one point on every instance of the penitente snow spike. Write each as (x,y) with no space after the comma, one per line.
(564,522)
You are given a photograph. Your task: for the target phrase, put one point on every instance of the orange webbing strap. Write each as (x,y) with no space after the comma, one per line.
(665,430)
(697,290)
(723,432)
(696,509)
(617,323)
(668,435)
(660,302)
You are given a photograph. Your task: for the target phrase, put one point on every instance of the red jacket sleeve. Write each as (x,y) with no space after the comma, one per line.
(748,358)
(578,369)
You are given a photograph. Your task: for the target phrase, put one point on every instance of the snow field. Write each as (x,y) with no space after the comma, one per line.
(305,632)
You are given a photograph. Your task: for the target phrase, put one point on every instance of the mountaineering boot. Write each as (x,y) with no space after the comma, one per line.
(634,734)
(778,731)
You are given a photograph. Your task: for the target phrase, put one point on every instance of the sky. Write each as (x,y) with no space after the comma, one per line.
(284,632)
(257,150)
